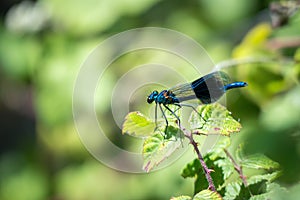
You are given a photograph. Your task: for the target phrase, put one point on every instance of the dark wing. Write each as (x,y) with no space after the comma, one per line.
(210,87)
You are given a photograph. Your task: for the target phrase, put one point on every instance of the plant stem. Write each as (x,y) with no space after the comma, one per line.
(237,167)
(242,61)
(281,43)
(206,170)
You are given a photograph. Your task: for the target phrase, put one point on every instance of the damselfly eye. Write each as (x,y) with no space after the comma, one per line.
(149,100)
(152,96)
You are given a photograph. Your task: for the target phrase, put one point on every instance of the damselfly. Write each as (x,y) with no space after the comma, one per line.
(207,89)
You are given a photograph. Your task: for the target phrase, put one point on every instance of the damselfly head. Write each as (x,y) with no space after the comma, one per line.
(152,96)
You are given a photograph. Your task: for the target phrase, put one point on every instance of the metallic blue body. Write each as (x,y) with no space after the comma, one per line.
(164,97)
(207,89)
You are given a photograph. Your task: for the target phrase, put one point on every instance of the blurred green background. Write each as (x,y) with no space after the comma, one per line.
(42,45)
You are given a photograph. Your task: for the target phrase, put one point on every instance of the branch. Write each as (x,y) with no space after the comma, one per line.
(281,43)
(206,170)
(237,167)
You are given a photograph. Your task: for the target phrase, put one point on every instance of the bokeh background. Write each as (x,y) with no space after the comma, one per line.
(43,44)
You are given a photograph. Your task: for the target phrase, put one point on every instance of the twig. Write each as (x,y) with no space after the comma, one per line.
(281,43)
(241,61)
(237,167)
(206,170)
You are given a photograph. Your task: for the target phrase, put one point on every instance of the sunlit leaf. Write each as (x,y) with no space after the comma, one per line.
(181,198)
(137,124)
(207,195)
(156,148)
(214,118)
(259,161)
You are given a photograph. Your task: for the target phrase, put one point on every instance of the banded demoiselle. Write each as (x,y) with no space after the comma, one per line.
(207,89)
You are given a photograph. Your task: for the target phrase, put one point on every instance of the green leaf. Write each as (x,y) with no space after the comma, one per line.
(253,42)
(239,153)
(259,161)
(289,111)
(25,183)
(259,185)
(291,29)
(254,189)
(297,55)
(207,195)
(22,64)
(232,190)
(181,198)
(261,177)
(218,150)
(214,118)
(191,169)
(136,124)
(156,148)
(227,167)
(255,161)
(263,196)
(173,133)
(276,192)
(220,158)
(96,16)
(194,170)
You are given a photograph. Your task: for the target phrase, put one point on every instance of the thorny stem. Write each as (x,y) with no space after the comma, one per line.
(237,167)
(206,170)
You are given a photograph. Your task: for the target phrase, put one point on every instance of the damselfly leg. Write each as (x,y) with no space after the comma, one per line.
(190,106)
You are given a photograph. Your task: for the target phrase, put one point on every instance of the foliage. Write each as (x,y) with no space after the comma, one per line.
(137,124)
(214,119)
(230,175)
(44,42)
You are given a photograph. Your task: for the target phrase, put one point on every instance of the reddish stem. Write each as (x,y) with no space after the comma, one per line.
(238,168)
(206,170)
